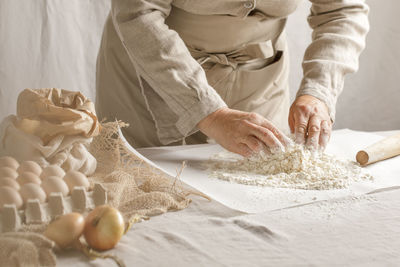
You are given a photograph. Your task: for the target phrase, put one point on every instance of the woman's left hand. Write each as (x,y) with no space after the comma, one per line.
(309,120)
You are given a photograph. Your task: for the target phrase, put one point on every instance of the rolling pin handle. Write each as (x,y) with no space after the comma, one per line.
(362,157)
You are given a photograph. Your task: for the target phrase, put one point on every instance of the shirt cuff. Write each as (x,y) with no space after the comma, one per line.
(187,122)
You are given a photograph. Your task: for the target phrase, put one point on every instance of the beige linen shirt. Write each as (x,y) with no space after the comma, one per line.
(179,85)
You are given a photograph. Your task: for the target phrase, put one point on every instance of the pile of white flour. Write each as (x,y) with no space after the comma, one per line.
(297,167)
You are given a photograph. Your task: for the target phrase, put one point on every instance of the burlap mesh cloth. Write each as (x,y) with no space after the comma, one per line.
(26,249)
(133,187)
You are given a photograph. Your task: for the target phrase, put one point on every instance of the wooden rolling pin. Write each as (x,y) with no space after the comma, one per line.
(384,149)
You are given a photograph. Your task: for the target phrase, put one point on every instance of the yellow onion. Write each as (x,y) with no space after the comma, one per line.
(104,227)
(66,229)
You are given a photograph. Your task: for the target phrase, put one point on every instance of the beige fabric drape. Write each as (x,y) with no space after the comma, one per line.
(194,57)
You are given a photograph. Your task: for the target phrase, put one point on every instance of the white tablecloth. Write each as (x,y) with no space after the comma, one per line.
(347,231)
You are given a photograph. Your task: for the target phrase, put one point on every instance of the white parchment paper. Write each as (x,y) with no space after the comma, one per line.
(253,199)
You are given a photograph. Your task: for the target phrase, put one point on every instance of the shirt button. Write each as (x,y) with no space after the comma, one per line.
(248,5)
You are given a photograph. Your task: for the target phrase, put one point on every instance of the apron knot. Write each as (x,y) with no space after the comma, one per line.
(226,63)
(262,50)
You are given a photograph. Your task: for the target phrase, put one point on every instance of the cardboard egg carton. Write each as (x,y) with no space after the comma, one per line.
(79,200)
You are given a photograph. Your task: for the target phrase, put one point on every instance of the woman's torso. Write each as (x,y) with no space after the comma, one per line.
(207,26)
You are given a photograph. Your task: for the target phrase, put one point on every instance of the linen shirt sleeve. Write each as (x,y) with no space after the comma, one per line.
(162,59)
(339,31)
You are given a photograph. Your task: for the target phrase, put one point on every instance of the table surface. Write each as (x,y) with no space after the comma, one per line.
(350,231)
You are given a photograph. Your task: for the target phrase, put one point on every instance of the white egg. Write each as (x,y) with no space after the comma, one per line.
(8,172)
(9,182)
(9,195)
(30,166)
(54,184)
(28,177)
(75,178)
(52,170)
(9,162)
(32,191)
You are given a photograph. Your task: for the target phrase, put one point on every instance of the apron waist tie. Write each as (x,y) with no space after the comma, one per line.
(227,63)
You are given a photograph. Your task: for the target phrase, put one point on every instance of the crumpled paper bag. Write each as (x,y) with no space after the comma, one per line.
(47,113)
(52,126)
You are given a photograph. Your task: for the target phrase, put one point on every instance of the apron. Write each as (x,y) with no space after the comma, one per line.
(245,61)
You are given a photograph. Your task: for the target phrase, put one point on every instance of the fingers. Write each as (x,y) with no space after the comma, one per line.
(285,141)
(267,137)
(241,149)
(325,134)
(247,147)
(253,143)
(300,127)
(309,119)
(263,131)
(291,121)
(314,127)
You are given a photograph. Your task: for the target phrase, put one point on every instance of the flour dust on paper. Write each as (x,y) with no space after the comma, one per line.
(297,167)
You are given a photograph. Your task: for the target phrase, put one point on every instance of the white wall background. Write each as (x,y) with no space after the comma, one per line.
(54,43)
(48,43)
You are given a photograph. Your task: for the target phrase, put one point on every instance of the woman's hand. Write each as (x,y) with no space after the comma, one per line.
(242,132)
(309,120)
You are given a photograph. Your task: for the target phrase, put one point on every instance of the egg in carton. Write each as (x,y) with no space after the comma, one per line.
(25,187)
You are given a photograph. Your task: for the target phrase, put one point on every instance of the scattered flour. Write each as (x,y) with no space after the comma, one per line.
(297,167)
(328,209)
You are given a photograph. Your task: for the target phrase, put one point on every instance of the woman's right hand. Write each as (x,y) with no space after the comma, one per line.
(242,132)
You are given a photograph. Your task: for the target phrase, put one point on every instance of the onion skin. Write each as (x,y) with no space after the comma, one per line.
(104,227)
(66,229)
